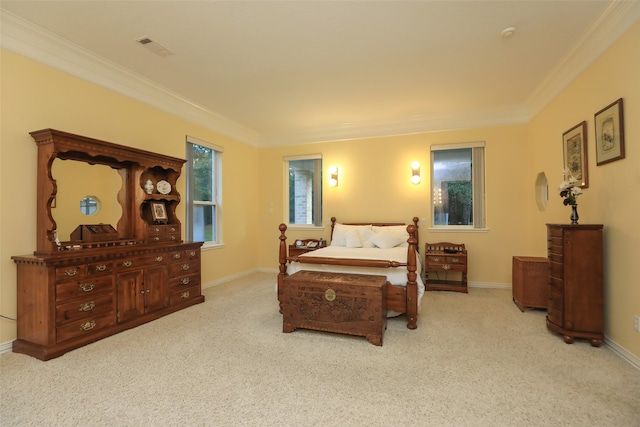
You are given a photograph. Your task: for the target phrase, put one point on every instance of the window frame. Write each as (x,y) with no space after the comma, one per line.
(478,180)
(317,186)
(216,191)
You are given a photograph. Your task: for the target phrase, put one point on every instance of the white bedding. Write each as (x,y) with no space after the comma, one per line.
(395,276)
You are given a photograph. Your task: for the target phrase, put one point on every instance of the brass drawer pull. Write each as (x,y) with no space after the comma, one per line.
(435,259)
(185,266)
(127,263)
(87,287)
(71,272)
(185,294)
(88,306)
(446,267)
(101,267)
(192,254)
(184,281)
(455,259)
(156,238)
(159,258)
(172,237)
(172,230)
(156,229)
(87,326)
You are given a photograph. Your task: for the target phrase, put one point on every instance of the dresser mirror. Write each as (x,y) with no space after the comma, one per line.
(84,190)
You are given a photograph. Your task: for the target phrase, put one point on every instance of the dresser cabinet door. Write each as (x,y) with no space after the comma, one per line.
(130,294)
(155,288)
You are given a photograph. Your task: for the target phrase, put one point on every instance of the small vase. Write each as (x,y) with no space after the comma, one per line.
(148,186)
(574,214)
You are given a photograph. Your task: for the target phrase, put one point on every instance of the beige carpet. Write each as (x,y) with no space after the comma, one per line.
(475,360)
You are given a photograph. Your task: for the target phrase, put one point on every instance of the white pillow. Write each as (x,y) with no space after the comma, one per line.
(387,239)
(352,240)
(396,230)
(339,233)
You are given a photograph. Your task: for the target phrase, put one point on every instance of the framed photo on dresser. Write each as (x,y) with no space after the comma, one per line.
(159,212)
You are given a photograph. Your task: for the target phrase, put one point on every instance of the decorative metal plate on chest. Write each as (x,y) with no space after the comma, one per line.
(330,294)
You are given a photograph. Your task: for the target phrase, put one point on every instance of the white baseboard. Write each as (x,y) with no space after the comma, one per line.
(489,285)
(623,353)
(6,347)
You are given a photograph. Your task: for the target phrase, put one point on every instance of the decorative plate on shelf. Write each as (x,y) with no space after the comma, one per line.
(163,187)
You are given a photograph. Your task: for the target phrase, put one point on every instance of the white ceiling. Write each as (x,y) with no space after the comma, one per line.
(285,72)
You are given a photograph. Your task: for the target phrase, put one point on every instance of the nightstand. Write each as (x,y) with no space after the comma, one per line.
(440,260)
(295,250)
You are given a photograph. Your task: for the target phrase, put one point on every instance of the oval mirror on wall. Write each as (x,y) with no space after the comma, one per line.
(542,191)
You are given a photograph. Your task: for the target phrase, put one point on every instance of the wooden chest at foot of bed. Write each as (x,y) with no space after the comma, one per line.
(351,304)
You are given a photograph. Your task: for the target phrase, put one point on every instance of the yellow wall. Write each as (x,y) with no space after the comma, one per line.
(374,185)
(35,97)
(613,196)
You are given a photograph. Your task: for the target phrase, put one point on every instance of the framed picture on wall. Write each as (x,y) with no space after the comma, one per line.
(574,148)
(159,212)
(609,124)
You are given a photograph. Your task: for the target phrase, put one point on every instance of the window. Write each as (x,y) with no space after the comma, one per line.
(304,190)
(458,185)
(204,175)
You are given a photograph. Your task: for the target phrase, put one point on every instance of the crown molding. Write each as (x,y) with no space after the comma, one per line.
(619,17)
(31,41)
(502,116)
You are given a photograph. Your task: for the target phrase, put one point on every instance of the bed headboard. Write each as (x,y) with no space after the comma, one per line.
(378,224)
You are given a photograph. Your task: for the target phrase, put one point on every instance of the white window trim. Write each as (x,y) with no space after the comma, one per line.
(219,211)
(483,212)
(285,180)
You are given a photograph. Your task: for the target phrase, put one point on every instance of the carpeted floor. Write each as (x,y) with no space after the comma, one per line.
(475,360)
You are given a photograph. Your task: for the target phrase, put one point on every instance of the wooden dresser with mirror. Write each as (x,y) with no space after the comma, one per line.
(107,277)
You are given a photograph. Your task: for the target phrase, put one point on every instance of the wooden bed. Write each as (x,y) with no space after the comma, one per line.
(400,299)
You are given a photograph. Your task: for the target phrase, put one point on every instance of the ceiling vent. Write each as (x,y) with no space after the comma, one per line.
(154,47)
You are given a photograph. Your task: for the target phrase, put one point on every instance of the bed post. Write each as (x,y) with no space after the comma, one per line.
(333,224)
(412,284)
(282,259)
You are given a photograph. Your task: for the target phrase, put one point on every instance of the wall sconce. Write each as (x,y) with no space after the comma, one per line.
(333,176)
(415,173)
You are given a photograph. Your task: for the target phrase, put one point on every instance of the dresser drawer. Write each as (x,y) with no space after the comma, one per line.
(165,238)
(184,281)
(135,262)
(71,272)
(189,254)
(184,294)
(183,268)
(556,269)
(85,326)
(85,307)
(104,267)
(88,286)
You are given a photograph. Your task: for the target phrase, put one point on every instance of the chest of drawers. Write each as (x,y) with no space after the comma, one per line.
(576,292)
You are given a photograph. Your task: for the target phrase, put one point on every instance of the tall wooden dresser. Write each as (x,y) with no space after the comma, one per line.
(576,290)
